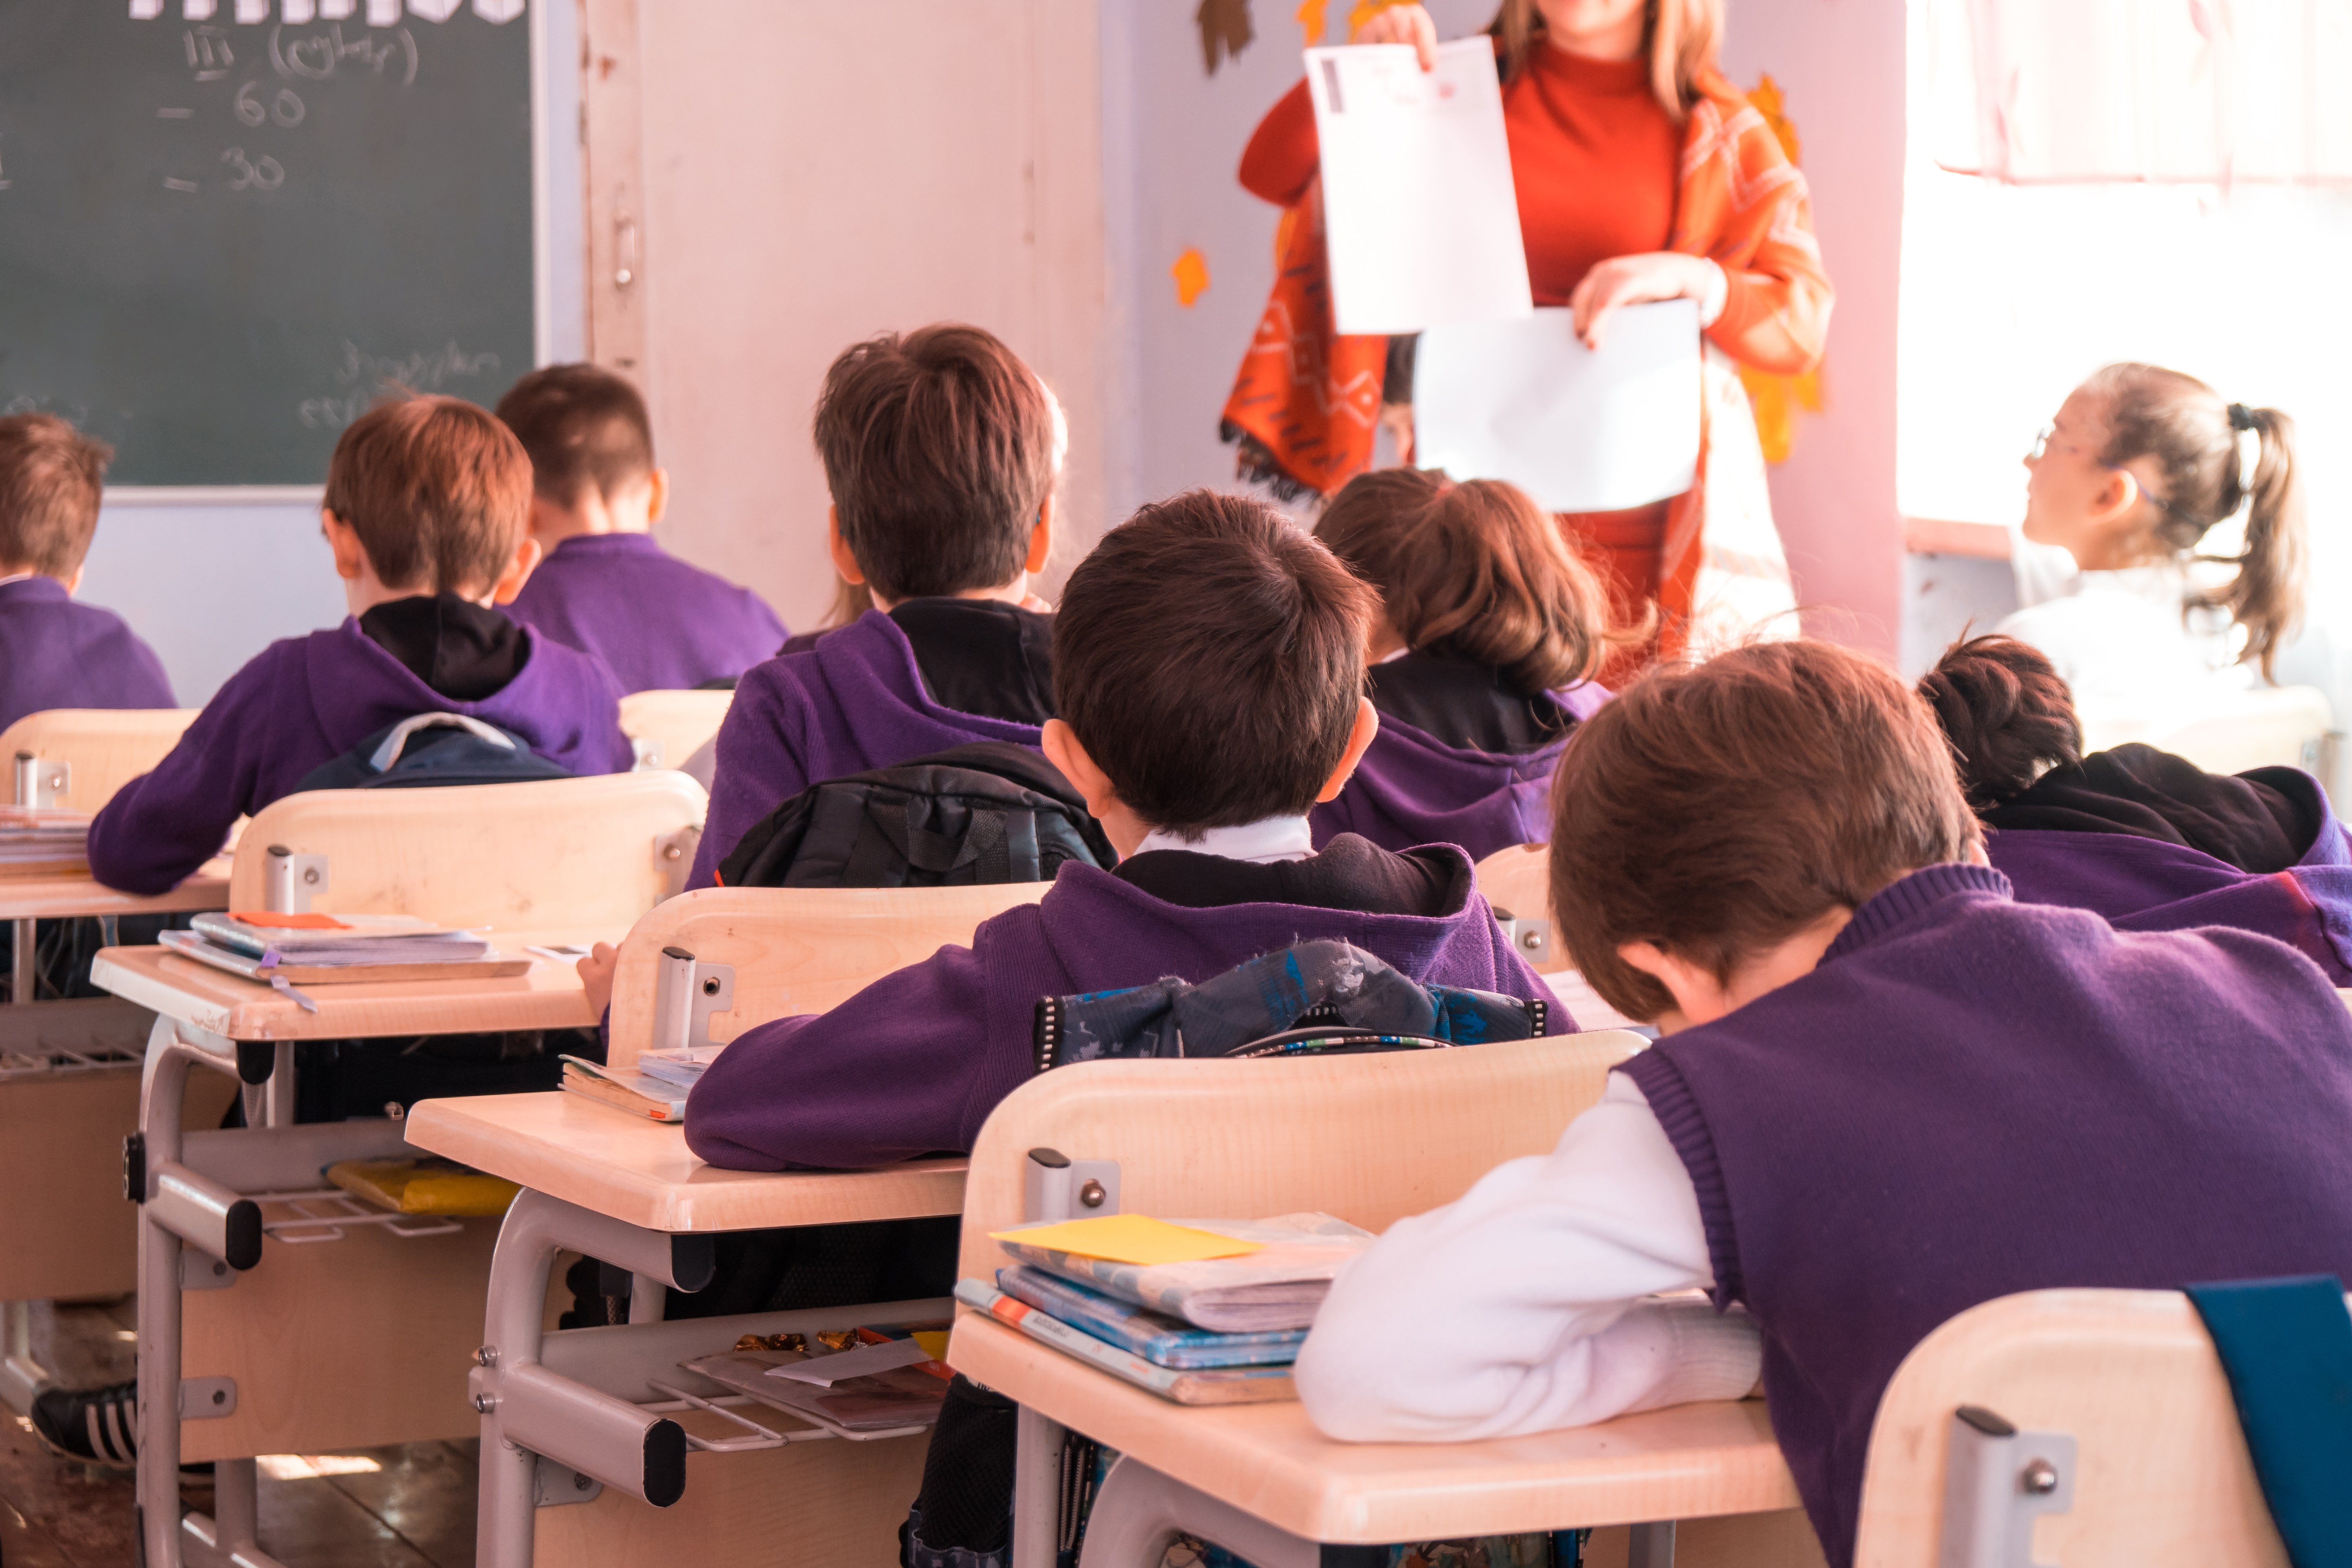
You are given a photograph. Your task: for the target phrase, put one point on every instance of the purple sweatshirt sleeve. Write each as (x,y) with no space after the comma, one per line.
(758,767)
(161,826)
(887,1076)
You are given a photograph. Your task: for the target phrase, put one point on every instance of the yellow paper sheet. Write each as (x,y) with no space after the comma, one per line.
(1131,1239)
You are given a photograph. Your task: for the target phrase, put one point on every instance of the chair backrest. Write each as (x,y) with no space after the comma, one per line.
(2161,1472)
(795,949)
(670,725)
(1370,1139)
(514,857)
(106,747)
(2271,726)
(1518,879)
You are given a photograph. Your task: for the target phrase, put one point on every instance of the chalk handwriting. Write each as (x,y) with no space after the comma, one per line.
(315,57)
(266,174)
(209,54)
(367,375)
(285,107)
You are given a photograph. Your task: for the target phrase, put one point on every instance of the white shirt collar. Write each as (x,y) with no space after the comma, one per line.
(1261,843)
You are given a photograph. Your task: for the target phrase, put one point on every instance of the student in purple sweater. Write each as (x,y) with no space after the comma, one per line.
(425,505)
(2150,840)
(1886,1091)
(1202,726)
(54,652)
(1482,656)
(606,587)
(940,450)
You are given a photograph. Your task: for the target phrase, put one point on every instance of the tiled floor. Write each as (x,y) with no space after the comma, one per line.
(408,1507)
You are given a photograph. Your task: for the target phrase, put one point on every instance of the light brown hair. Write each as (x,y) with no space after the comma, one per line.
(1716,810)
(1680,39)
(939,449)
(437,489)
(2193,436)
(52,477)
(1473,571)
(1209,655)
(2007,712)
(585,428)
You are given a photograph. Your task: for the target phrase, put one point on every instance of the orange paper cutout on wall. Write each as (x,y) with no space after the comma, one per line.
(1192,275)
(1310,14)
(1776,398)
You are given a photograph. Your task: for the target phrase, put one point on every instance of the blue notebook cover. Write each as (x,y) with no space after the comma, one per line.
(1157,1338)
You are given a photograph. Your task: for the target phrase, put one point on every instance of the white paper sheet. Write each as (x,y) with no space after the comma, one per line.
(1419,210)
(1579,429)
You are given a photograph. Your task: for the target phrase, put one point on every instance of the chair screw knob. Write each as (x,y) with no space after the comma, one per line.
(2040,1478)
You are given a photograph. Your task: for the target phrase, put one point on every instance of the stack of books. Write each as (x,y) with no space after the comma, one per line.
(43,841)
(1197,1331)
(321,949)
(655,1090)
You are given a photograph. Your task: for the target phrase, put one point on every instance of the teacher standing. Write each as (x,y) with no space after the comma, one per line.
(1642,175)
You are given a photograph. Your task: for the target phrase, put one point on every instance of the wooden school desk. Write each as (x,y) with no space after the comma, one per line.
(1261,1481)
(266,1337)
(558,1408)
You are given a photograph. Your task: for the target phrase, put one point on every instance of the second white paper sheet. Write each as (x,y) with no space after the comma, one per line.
(1579,429)
(1419,210)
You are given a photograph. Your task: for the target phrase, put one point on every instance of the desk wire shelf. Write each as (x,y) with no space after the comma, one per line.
(46,1061)
(322,1213)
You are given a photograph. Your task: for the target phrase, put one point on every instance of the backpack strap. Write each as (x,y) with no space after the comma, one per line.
(396,741)
(2286,1348)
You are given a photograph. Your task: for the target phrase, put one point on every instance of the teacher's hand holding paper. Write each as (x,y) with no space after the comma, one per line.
(1640,279)
(1401,24)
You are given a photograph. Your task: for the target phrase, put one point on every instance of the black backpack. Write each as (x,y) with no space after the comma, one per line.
(432,749)
(985,813)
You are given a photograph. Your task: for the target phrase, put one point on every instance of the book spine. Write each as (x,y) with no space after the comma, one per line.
(1075,1342)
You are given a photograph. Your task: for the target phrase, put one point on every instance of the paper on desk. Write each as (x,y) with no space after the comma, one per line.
(1579,429)
(824,1371)
(1131,1239)
(1419,212)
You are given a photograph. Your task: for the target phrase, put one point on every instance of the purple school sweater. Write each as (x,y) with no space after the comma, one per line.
(307,700)
(662,624)
(854,701)
(1412,788)
(58,653)
(1972,1097)
(916,1061)
(2146,884)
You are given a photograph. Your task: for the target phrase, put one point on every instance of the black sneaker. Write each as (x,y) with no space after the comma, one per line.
(96,1426)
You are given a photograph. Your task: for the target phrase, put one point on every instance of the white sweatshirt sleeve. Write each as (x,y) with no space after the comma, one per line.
(1521,1307)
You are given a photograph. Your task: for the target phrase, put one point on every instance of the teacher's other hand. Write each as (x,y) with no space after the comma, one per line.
(1401,24)
(1636,281)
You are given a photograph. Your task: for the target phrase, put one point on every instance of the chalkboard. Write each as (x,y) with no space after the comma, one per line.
(225,225)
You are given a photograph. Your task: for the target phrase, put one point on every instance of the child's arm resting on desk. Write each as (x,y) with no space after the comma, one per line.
(1520,1308)
(162,825)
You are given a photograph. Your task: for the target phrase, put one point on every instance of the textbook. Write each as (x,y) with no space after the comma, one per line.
(275,967)
(335,940)
(1215,1386)
(1277,1286)
(1158,1339)
(43,841)
(681,1068)
(625,1091)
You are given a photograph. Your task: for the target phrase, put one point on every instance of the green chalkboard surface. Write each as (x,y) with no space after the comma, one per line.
(219,239)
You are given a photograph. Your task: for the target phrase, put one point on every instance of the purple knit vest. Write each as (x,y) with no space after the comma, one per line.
(1972,1097)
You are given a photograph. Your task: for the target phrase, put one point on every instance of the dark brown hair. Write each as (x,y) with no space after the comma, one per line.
(1715,811)
(939,448)
(1209,655)
(2193,436)
(51,480)
(437,489)
(585,428)
(1473,571)
(2007,712)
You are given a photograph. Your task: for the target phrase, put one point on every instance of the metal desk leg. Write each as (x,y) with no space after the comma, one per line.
(1036,1489)
(1138,1509)
(1650,1545)
(20,961)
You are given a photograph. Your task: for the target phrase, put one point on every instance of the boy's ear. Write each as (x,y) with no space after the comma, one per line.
(344,541)
(843,561)
(527,557)
(1060,745)
(658,503)
(1041,538)
(73,584)
(2118,497)
(1367,725)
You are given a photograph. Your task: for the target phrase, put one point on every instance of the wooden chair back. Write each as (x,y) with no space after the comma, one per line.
(669,726)
(795,949)
(2271,726)
(1518,879)
(1370,1139)
(2161,1472)
(107,747)
(539,855)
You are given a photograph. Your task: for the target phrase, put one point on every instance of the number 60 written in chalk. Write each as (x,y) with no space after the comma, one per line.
(285,107)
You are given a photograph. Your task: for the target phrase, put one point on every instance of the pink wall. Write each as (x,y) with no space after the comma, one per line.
(1841,66)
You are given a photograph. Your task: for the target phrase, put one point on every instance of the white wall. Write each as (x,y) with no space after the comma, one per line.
(209,586)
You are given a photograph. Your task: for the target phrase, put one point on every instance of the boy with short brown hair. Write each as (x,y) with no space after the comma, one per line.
(425,512)
(1886,1092)
(55,652)
(605,586)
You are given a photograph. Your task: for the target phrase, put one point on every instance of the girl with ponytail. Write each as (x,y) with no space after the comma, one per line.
(2147,839)
(2139,465)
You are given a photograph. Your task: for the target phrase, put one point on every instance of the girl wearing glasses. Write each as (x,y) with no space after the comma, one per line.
(2137,467)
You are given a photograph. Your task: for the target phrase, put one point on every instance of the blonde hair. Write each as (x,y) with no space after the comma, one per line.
(1680,36)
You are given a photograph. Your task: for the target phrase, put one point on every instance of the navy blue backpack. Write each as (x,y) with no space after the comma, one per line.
(431,751)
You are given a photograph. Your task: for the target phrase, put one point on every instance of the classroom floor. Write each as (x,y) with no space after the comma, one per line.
(410,1507)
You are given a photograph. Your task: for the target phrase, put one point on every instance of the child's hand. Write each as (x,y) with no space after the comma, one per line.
(596,976)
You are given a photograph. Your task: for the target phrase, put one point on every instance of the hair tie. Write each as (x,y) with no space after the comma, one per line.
(2240,417)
